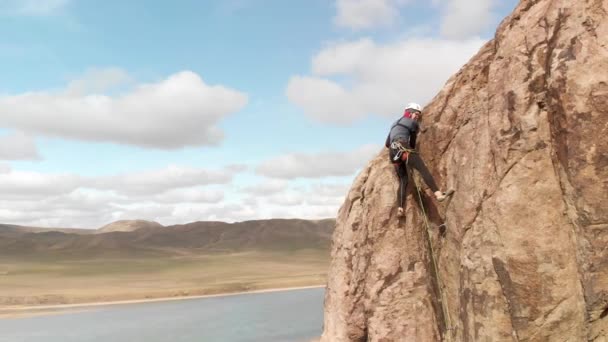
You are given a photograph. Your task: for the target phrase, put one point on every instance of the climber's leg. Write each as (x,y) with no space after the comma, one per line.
(402,174)
(417,163)
(398,159)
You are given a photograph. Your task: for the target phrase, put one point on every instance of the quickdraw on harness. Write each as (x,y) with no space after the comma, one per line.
(443,300)
(401,150)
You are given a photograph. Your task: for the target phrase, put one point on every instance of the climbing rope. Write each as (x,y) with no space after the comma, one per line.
(443,300)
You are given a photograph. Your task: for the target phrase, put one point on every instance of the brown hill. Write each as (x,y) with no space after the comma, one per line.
(521,133)
(196,237)
(128,226)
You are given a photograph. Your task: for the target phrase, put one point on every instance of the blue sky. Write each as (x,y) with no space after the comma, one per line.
(211,110)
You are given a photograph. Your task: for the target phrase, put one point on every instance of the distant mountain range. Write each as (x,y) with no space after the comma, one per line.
(141,238)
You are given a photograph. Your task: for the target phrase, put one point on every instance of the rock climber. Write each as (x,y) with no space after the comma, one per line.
(401,142)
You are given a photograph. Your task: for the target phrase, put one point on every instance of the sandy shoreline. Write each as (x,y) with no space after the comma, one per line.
(32,310)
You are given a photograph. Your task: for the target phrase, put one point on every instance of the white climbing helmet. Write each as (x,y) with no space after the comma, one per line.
(413,106)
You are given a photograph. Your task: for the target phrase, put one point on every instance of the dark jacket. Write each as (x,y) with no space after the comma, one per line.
(404,129)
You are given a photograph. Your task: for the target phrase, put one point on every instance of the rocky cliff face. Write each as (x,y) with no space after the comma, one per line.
(521,134)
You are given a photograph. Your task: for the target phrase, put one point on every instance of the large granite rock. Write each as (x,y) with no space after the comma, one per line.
(521,134)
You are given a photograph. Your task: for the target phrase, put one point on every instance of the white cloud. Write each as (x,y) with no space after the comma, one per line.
(147,211)
(87,199)
(325,164)
(304,204)
(251,201)
(169,185)
(18,146)
(465,18)
(267,187)
(306,200)
(382,78)
(56,200)
(97,81)
(458,18)
(317,195)
(59,218)
(5,168)
(31,7)
(19,184)
(236,168)
(189,195)
(333,190)
(364,14)
(92,208)
(179,111)
(287,199)
(159,181)
(306,212)
(79,203)
(230,212)
(185,213)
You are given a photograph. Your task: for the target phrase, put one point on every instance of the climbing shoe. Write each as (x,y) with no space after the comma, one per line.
(441,196)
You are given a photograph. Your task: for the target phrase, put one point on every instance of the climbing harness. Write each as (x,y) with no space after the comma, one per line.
(396,145)
(443,298)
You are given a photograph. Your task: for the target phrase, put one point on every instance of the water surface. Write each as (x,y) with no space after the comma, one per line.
(285,316)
